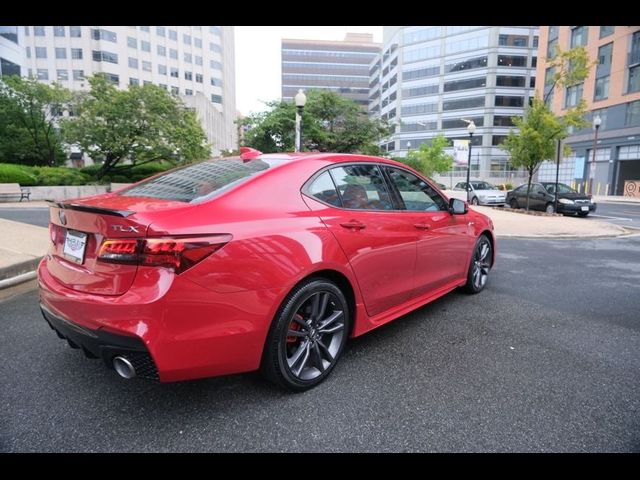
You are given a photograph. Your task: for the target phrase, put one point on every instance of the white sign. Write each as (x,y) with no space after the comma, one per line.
(461,151)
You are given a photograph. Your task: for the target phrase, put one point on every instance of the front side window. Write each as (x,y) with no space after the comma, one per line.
(417,195)
(361,187)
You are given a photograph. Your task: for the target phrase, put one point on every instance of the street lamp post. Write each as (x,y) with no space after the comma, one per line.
(471,128)
(300,100)
(592,170)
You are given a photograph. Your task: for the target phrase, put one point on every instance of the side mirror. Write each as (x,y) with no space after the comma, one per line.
(457,206)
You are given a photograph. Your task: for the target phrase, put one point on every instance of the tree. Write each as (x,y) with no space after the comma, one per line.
(143,124)
(540,130)
(430,158)
(330,123)
(28,121)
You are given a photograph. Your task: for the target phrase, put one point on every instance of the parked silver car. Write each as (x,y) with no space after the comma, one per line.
(483,193)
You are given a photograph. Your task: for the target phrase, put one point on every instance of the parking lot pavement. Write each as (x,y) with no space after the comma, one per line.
(546,359)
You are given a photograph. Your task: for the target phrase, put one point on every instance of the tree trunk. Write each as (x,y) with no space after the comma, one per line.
(529,189)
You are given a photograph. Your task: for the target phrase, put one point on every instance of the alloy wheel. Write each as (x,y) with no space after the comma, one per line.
(481,264)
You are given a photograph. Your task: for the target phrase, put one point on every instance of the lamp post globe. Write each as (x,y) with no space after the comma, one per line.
(471,128)
(300,100)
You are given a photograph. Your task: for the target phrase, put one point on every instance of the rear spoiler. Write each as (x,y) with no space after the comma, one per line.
(91,209)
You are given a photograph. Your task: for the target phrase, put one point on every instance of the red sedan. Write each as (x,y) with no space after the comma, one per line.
(260,262)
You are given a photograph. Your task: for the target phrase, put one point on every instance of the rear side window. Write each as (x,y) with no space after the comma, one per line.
(324,190)
(201,181)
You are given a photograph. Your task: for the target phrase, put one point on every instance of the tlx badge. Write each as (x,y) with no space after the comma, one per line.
(125,228)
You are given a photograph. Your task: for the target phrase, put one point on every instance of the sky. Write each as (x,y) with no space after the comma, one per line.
(258,59)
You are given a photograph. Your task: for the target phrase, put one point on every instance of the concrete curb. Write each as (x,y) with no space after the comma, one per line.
(18,269)
(629,233)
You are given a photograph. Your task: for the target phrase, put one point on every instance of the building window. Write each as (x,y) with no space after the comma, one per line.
(134,81)
(535,41)
(502,121)
(103,35)
(173,53)
(146,66)
(162,69)
(173,35)
(41,52)
(532,82)
(215,65)
(188,92)
(188,76)
(162,85)
(606,31)
(216,82)
(62,74)
(133,62)
(198,60)
(420,91)
(508,101)
(132,42)
(147,82)
(175,90)
(419,109)
(634,79)
(61,52)
(579,36)
(573,95)
(112,77)
(43,74)
(421,73)
(604,54)
(463,103)
(187,57)
(465,84)
(214,47)
(161,31)
(28,51)
(215,30)
(534,62)
(553,32)
(513,40)
(76,54)
(197,42)
(75,32)
(199,77)
(102,56)
(551,48)
(634,55)
(144,28)
(162,51)
(26,31)
(38,31)
(497,140)
(464,65)
(453,123)
(174,72)
(512,61)
(602,88)
(632,117)
(186,39)
(510,81)
(218,98)
(78,75)
(58,31)
(145,46)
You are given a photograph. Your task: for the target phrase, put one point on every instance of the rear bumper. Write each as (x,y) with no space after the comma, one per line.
(187,330)
(102,344)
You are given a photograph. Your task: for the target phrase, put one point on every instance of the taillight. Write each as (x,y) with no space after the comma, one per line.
(55,231)
(179,253)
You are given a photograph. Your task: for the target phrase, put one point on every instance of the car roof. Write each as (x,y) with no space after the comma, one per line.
(329,157)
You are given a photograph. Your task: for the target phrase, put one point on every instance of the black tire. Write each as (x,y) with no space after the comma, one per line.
(474,201)
(297,354)
(513,203)
(479,266)
(550,208)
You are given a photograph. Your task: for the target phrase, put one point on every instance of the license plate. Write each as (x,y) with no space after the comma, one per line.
(74,245)
(585,209)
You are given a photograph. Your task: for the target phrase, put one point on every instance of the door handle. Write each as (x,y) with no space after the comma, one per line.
(353,224)
(422,226)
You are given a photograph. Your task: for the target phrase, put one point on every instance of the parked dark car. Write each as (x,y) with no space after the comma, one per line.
(542,197)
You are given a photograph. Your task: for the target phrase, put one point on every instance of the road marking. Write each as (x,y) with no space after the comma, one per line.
(612,218)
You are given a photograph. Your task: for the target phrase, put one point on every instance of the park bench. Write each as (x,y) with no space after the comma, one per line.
(13,190)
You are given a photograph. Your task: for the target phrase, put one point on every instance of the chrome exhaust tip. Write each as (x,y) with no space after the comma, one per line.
(123,367)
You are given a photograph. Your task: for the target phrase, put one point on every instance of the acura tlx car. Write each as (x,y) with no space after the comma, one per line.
(260,261)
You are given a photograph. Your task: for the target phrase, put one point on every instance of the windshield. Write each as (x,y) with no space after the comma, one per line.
(562,188)
(482,186)
(201,181)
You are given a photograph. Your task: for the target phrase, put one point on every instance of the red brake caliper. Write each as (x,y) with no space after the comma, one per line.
(294,326)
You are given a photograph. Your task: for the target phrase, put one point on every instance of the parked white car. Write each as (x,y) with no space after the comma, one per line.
(483,193)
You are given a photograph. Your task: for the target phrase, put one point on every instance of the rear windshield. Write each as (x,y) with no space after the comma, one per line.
(200,181)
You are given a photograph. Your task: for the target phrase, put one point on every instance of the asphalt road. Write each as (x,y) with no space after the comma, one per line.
(33,216)
(546,359)
(624,214)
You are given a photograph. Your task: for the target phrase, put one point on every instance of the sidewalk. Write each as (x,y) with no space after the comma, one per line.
(22,245)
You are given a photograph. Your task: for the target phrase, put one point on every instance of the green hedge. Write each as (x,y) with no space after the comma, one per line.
(23,175)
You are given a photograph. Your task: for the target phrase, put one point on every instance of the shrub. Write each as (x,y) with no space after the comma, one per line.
(10,173)
(52,176)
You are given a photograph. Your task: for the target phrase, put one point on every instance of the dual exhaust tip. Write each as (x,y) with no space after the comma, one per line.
(124,367)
